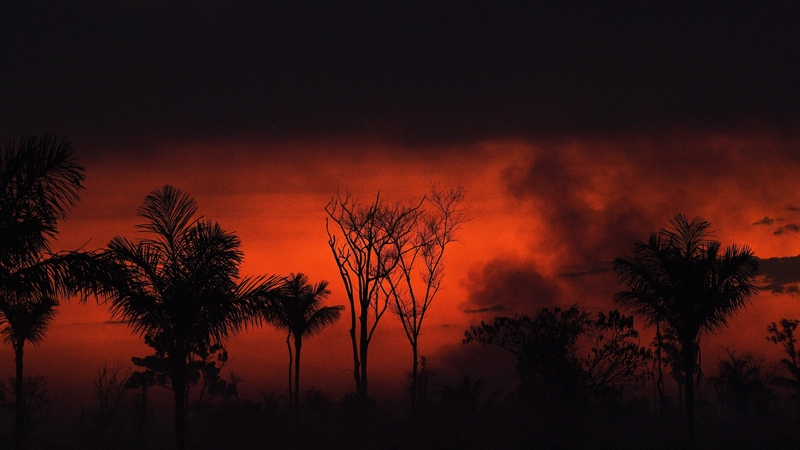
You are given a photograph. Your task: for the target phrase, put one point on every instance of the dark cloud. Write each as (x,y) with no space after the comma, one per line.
(793,208)
(788,228)
(597,268)
(596,197)
(510,287)
(765,221)
(561,191)
(134,73)
(782,275)
(493,308)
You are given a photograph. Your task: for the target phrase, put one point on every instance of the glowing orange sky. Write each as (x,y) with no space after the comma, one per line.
(548,208)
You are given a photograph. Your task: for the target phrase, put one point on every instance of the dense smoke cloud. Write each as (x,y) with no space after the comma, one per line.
(590,199)
(505,287)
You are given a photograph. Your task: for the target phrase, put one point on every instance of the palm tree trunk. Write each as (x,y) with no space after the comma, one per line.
(659,370)
(289,346)
(19,397)
(690,413)
(143,418)
(179,391)
(298,343)
(689,355)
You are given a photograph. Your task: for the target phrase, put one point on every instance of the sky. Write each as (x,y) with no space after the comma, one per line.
(575,129)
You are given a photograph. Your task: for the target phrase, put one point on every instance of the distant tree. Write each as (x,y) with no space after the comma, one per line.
(666,350)
(36,397)
(180,289)
(112,401)
(742,382)
(420,266)
(615,359)
(363,239)
(680,278)
(463,400)
(141,380)
(299,309)
(785,336)
(565,355)
(39,183)
(204,370)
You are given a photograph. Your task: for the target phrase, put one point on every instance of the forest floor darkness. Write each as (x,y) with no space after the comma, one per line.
(457,417)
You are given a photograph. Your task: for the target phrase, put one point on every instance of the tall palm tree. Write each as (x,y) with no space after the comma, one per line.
(300,311)
(24,319)
(681,278)
(180,286)
(39,183)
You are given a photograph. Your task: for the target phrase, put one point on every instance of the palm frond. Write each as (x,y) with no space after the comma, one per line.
(322,318)
(25,318)
(682,278)
(39,182)
(169,213)
(299,307)
(179,285)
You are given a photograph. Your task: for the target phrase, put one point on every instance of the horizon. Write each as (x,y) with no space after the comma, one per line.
(502,264)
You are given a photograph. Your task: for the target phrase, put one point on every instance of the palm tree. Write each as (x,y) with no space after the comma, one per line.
(299,310)
(24,320)
(680,278)
(180,287)
(39,183)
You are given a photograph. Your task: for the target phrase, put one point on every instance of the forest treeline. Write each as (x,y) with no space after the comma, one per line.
(584,380)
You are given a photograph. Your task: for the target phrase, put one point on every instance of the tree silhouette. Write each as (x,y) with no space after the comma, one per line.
(24,319)
(742,382)
(300,311)
(425,245)
(546,349)
(365,253)
(39,183)
(565,356)
(112,400)
(785,336)
(688,282)
(666,351)
(179,287)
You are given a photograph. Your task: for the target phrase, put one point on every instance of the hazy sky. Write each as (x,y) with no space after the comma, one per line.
(574,130)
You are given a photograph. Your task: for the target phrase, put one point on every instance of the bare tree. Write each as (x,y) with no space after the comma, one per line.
(420,266)
(111,398)
(363,240)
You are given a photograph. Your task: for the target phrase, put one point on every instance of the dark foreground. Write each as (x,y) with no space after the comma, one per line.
(457,417)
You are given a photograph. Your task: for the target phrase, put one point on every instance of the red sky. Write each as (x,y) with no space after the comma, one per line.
(575,129)
(547,218)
